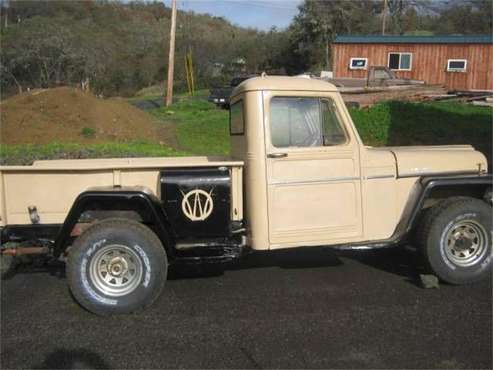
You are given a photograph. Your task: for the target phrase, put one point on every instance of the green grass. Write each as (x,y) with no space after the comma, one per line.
(202,129)
(438,123)
(152,94)
(26,154)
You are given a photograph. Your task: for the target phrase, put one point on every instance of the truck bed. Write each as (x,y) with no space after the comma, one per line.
(53,185)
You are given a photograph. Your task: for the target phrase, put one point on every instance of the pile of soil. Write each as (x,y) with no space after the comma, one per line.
(68,115)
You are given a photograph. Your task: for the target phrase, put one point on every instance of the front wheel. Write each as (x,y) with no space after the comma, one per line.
(456,240)
(116,266)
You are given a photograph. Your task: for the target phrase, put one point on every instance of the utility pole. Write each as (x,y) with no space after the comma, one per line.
(171,62)
(384,15)
(327,61)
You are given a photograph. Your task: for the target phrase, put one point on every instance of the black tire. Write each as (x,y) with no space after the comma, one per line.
(117,245)
(455,240)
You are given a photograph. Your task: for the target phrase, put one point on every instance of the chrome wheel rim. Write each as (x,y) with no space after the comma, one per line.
(115,270)
(466,243)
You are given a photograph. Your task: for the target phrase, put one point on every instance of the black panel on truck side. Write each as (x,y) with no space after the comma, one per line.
(197,201)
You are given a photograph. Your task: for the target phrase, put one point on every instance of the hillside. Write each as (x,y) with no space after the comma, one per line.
(119,47)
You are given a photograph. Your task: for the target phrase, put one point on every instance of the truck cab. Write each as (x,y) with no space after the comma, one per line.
(298,175)
(310,180)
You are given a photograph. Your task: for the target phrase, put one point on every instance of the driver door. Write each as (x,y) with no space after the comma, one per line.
(313,172)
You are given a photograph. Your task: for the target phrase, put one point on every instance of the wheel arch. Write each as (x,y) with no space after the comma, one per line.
(430,190)
(132,203)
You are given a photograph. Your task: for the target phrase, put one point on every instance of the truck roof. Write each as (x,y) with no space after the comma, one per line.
(283,83)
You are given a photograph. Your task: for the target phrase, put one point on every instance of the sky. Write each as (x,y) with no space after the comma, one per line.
(261,14)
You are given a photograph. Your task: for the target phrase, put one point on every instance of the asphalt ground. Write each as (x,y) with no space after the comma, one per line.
(297,309)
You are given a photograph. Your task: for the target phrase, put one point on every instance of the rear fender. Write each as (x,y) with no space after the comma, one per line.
(142,202)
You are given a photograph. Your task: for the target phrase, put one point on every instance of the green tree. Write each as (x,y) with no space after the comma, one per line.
(319,22)
(466,17)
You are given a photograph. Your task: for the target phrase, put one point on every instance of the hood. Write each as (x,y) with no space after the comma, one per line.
(431,160)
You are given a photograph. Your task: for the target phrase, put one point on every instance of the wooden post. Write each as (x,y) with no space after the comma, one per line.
(190,66)
(171,62)
(384,15)
(327,60)
(187,74)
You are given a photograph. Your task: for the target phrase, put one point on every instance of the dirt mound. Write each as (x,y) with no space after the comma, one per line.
(66,115)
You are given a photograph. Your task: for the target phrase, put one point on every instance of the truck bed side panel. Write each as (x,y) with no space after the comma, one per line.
(53,192)
(53,189)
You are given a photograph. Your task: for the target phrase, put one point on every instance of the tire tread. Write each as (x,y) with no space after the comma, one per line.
(81,295)
(426,228)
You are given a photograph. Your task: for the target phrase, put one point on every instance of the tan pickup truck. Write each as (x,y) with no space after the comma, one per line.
(377,76)
(299,175)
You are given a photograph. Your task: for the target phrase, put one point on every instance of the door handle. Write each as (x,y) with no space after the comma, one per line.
(277,155)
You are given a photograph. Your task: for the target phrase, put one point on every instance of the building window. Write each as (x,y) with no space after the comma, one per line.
(456,65)
(358,63)
(400,61)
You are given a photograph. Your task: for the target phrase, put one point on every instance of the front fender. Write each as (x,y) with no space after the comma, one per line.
(428,187)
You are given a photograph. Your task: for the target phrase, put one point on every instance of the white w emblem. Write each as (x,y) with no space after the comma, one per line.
(197,204)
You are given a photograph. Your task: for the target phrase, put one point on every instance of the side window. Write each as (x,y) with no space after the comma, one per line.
(304,122)
(295,122)
(236,122)
(333,131)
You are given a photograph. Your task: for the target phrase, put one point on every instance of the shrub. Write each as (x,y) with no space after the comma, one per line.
(88,132)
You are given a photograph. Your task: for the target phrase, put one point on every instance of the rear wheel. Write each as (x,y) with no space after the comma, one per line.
(116,266)
(455,240)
